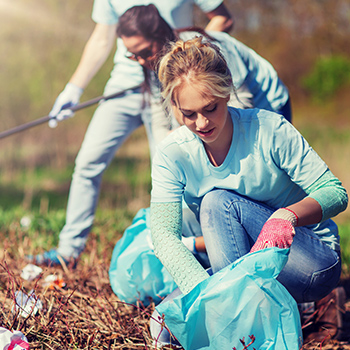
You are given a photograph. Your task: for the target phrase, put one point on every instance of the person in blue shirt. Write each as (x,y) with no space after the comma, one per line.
(249,176)
(144,33)
(257,82)
(114,120)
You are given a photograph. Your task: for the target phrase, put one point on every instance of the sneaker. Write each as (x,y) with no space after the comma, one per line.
(328,323)
(50,258)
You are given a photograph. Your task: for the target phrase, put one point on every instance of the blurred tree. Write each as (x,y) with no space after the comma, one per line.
(327,76)
(293,34)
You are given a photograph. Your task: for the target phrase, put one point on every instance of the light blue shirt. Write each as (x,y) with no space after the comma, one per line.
(268,161)
(178,13)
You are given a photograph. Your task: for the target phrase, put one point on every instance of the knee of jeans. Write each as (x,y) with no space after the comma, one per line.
(219,200)
(212,200)
(89,167)
(91,173)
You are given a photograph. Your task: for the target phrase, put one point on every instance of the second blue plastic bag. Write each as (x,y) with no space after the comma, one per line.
(241,300)
(135,272)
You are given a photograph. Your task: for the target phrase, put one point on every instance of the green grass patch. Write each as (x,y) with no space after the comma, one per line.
(344,233)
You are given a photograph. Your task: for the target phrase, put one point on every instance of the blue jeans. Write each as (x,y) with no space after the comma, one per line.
(113,121)
(231,224)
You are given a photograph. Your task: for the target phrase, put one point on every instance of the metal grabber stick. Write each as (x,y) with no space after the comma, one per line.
(75,108)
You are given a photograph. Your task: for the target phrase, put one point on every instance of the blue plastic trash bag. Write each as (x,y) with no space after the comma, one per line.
(244,299)
(135,273)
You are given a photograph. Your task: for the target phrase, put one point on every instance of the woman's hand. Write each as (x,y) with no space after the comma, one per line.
(278,230)
(69,97)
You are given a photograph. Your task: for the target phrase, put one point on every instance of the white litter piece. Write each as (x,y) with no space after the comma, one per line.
(27,304)
(13,340)
(53,280)
(25,222)
(31,272)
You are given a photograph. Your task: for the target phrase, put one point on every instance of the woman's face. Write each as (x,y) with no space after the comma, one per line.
(141,50)
(206,117)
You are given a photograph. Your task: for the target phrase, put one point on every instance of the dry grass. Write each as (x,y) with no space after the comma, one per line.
(333,345)
(83,315)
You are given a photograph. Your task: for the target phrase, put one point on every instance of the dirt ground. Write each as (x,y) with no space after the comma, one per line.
(85,313)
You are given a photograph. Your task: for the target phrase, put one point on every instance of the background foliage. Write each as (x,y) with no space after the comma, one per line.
(41,44)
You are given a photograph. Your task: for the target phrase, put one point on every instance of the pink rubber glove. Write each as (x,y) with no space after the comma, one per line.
(278,230)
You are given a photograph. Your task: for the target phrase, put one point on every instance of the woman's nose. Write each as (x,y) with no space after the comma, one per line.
(201,122)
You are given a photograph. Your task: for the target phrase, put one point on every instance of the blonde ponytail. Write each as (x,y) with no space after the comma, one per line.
(197,62)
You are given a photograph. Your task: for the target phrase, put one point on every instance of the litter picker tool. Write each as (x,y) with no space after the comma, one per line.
(75,108)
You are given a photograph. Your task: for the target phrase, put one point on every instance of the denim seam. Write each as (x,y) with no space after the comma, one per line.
(316,274)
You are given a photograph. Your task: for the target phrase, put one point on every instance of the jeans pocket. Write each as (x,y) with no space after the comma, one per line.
(323,282)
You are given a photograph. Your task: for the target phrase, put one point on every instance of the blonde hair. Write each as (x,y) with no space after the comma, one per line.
(194,62)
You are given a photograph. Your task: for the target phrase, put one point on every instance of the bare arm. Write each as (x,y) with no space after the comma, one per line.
(95,54)
(200,244)
(220,19)
(308,210)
